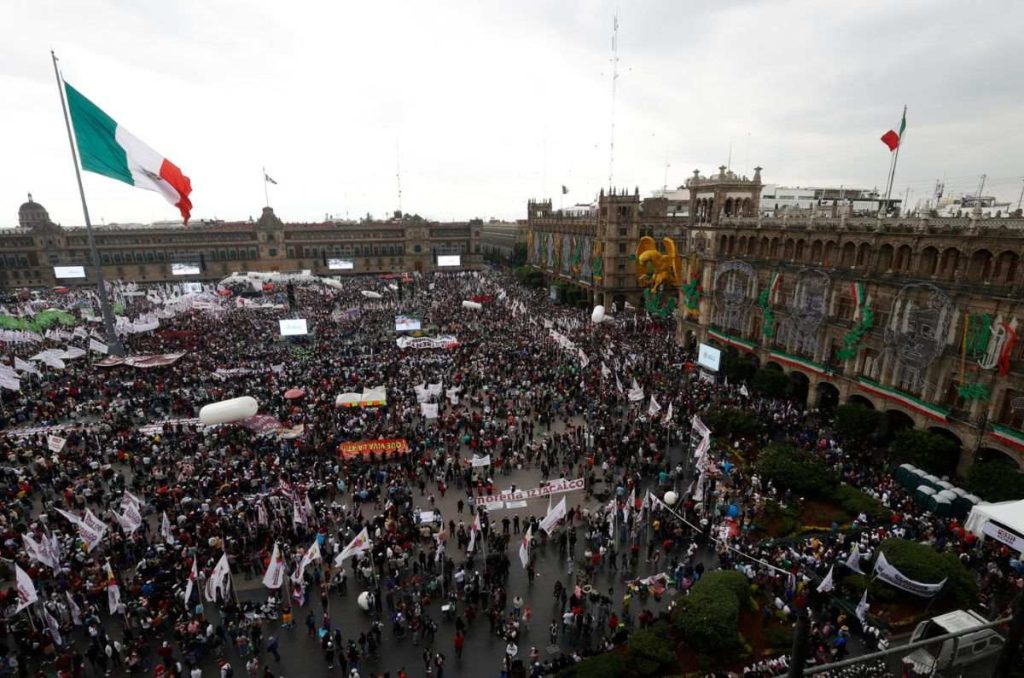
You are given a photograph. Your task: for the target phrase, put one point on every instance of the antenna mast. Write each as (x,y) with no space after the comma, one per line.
(615,77)
(398,174)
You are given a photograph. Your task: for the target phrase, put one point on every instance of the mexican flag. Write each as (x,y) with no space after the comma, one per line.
(107,148)
(892,138)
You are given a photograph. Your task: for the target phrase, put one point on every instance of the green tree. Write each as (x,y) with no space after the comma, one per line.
(732,421)
(709,616)
(857,423)
(933,452)
(996,480)
(771,383)
(518,254)
(796,470)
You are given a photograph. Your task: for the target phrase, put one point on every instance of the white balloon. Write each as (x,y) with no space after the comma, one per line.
(369,294)
(671,498)
(598,314)
(331,282)
(393,287)
(364,601)
(228,411)
(472,305)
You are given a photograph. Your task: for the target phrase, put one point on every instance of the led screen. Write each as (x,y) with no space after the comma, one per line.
(340,264)
(709,357)
(68,272)
(293,327)
(449,260)
(184,268)
(407,323)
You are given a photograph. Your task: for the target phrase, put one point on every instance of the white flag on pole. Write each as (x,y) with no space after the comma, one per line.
(553,516)
(165,529)
(356,547)
(474,530)
(862,608)
(653,408)
(826,584)
(193,577)
(55,443)
(26,589)
(428,410)
(273,578)
(853,561)
(311,554)
(524,547)
(113,590)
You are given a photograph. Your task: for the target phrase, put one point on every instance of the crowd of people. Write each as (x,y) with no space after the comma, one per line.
(536,388)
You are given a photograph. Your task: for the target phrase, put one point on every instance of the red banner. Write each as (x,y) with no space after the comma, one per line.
(363,448)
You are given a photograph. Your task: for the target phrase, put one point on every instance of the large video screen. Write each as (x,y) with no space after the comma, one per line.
(709,357)
(407,323)
(449,260)
(184,268)
(341,264)
(62,272)
(293,327)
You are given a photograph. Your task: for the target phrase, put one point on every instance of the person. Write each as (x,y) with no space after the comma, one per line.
(272,647)
(460,640)
(439,660)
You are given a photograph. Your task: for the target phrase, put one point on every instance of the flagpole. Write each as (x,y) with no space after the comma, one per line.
(116,348)
(895,159)
(266,192)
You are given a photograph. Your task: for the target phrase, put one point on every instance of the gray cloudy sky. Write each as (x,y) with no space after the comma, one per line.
(488,104)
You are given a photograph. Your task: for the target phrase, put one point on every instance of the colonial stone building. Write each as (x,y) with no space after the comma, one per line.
(145,253)
(917,318)
(596,250)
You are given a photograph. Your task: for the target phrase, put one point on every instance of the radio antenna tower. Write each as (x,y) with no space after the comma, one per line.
(615,77)
(398,174)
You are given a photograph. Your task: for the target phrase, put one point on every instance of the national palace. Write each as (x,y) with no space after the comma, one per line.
(915,317)
(29,253)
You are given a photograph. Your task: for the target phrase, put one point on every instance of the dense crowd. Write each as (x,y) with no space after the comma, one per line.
(557,409)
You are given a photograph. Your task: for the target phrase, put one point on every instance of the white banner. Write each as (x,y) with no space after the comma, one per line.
(480,461)
(699,427)
(560,486)
(997,531)
(443,341)
(428,410)
(890,575)
(55,443)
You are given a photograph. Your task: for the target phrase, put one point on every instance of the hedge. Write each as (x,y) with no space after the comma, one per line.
(996,480)
(855,502)
(709,616)
(923,563)
(732,421)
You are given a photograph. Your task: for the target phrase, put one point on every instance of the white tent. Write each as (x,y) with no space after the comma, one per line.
(1003,521)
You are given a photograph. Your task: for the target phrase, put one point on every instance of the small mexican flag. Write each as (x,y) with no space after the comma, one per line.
(860,298)
(107,148)
(892,137)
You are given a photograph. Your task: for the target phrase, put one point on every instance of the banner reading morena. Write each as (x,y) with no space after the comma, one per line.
(363,448)
(494,502)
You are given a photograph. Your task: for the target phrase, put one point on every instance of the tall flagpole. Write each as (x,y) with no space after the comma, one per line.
(266,193)
(895,159)
(115,346)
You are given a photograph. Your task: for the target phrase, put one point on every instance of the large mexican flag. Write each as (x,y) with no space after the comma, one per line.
(107,148)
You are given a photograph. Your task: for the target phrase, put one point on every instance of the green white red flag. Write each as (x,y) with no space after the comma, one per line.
(105,147)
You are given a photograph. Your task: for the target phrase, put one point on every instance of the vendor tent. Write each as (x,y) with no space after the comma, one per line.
(1003,521)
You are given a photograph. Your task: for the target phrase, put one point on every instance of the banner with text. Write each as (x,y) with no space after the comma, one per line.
(890,575)
(364,448)
(494,502)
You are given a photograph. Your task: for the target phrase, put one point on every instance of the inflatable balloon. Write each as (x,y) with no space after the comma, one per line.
(393,287)
(733,510)
(363,601)
(671,498)
(598,314)
(369,294)
(331,282)
(228,411)
(472,305)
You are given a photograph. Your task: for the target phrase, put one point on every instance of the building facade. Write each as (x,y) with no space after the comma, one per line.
(499,238)
(29,253)
(595,250)
(917,318)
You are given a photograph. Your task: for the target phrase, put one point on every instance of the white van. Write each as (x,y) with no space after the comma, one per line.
(970,647)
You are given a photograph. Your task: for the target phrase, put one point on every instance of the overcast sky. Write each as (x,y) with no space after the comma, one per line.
(488,104)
